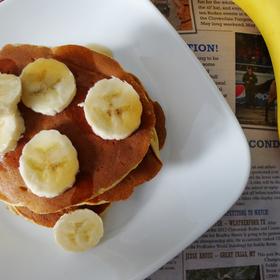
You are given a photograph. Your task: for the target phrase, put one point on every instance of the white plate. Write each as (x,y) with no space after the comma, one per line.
(206,157)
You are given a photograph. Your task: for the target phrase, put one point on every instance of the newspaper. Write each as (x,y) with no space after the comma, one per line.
(245,243)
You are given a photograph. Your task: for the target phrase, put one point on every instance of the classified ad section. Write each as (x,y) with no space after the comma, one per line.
(245,243)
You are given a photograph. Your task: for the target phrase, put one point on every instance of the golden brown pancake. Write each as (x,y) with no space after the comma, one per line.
(145,171)
(102,162)
(49,220)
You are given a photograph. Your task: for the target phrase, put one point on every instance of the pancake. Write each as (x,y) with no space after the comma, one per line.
(102,163)
(49,220)
(145,171)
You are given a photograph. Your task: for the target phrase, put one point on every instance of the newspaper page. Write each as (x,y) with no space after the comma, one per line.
(245,243)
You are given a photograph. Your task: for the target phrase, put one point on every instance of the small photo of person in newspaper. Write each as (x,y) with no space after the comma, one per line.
(255,83)
(178,12)
(250,80)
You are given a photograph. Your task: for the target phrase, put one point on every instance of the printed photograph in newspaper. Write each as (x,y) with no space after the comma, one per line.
(179,13)
(255,84)
(225,273)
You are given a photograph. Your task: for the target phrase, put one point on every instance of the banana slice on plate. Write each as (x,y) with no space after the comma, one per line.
(48,86)
(49,163)
(79,230)
(10,93)
(11,128)
(113,109)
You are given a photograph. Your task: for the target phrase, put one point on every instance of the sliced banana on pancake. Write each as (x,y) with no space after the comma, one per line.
(155,143)
(113,109)
(79,230)
(49,163)
(10,93)
(11,128)
(100,49)
(48,86)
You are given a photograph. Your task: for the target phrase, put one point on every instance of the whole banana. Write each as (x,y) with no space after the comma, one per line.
(266,16)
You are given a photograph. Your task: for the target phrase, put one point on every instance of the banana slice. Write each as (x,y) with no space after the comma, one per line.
(10,93)
(48,163)
(155,143)
(113,109)
(48,86)
(79,230)
(100,49)
(11,128)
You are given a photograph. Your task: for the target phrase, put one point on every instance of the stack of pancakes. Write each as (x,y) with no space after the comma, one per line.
(109,169)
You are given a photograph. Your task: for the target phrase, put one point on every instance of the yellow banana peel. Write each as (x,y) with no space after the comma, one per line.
(266,15)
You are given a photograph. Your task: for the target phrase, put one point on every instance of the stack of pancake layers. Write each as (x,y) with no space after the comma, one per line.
(109,170)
